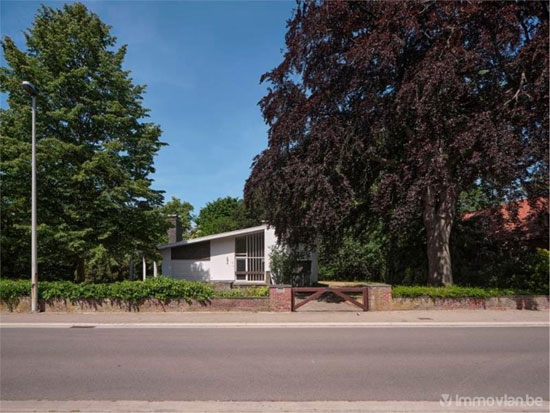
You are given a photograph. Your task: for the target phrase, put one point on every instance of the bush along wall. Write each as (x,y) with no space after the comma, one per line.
(402,291)
(160,288)
(165,294)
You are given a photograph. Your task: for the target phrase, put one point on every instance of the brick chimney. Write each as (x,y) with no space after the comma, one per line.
(175,231)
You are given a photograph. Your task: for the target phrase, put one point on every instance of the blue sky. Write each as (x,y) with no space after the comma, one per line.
(202,61)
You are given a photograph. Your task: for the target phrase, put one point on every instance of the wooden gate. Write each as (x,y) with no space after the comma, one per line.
(340,292)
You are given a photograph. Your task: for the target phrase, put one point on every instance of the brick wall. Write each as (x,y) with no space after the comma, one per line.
(149,305)
(379,297)
(519,302)
(280,298)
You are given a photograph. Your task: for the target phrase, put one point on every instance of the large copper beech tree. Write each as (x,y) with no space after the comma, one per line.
(392,109)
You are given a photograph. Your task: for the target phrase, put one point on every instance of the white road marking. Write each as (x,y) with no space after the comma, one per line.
(282,325)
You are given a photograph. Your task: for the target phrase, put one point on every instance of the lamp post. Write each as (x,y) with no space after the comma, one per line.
(31,90)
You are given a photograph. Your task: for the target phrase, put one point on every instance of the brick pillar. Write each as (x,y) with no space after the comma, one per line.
(280,298)
(379,297)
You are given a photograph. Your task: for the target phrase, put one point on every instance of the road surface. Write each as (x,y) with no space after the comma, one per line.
(290,364)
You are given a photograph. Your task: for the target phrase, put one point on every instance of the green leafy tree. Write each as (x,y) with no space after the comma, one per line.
(182,208)
(95,152)
(355,258)
(284,264)
(476,198)
(225,214)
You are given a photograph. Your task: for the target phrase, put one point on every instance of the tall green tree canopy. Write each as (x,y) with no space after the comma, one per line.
(95,152)
(391,110)
(182,208)
(225,214)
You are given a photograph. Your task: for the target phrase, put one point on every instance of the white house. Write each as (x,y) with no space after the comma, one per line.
(240,257)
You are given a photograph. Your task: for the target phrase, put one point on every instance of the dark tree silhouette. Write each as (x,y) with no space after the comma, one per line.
(392,109)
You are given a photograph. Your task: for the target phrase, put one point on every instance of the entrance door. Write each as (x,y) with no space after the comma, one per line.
(249,258)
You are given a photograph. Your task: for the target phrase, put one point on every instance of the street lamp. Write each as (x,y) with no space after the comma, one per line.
(31,90)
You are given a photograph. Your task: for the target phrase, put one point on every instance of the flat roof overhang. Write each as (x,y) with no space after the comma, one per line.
(244,231)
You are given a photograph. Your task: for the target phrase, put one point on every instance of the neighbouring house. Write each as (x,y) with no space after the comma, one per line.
(524,221)
(235,257)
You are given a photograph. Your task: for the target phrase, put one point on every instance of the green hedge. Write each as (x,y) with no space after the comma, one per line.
(251,292)
(161,288)
(166,288)
(452,292)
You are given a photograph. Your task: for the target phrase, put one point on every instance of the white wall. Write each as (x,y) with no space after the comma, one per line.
(220,267)
(269,242)
(191,270)
(222,259)
(184,269)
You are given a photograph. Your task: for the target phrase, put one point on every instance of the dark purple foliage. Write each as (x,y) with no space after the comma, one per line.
(391,109)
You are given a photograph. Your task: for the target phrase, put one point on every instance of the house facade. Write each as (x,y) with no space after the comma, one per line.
(237,257)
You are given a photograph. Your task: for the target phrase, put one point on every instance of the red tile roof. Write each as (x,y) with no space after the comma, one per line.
(526,219)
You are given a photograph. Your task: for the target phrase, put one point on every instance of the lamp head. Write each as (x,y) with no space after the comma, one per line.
(29,88)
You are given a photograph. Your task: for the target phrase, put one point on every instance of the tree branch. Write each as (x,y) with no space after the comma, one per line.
(516,95)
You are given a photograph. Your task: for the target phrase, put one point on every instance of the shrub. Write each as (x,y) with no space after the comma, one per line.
(12,289)
(351,260)
(285,266)
(371,253)
(536,268)
(480,258)
(161,288)
(451,292)
(243,292)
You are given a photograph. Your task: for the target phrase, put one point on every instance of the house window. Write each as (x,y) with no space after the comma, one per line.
(240,246)
(249,257)
(199,251)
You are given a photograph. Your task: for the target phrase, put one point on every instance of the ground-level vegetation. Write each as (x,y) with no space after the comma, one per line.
(490,250)
(454,292)
(161,288)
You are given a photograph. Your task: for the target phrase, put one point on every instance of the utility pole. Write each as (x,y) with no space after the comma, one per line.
(32,91)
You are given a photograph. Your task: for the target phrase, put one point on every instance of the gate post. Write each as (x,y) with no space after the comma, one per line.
(379,297)
(280,298)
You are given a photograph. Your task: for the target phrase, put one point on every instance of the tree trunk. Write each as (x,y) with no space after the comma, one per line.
(80,271)
(439,210)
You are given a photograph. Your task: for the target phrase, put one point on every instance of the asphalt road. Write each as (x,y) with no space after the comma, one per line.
(272,363)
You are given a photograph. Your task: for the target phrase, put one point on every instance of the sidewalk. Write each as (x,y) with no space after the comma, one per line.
(431,317)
